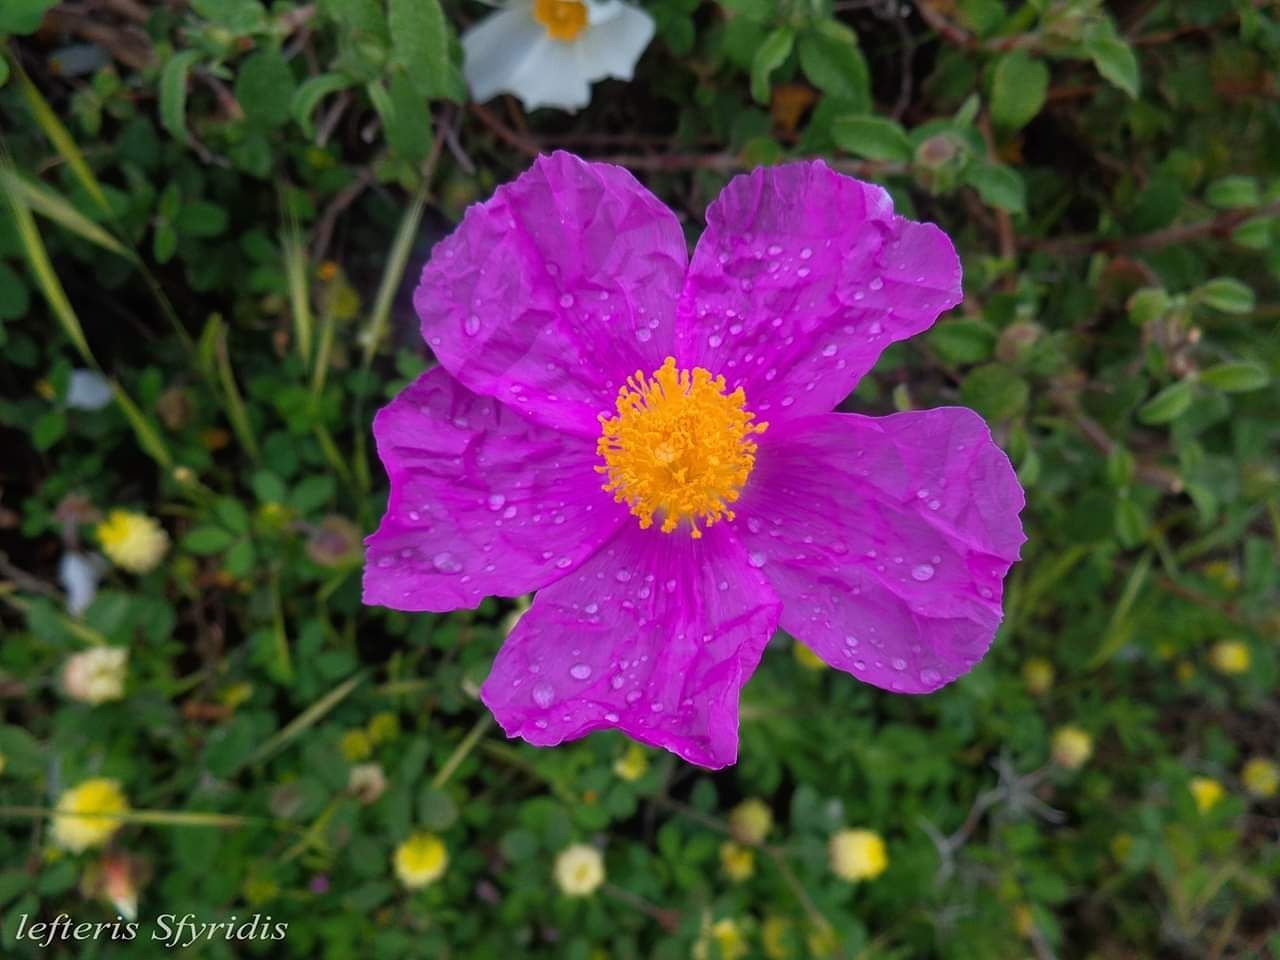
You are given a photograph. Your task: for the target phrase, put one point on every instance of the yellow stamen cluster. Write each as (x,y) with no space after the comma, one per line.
(679,447)
(563,19)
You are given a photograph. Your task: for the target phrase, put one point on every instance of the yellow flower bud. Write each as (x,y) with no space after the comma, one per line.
(1037,675)
(1261,777)
(1230,657)
(1206,792)
(750,821)
(806,657)
(775,938)
(383,727)
(737,861)
(579,870)
(421,860)
(133,541)
(355,746)
(726,936)
(1071,747)
(89,814)
(633,764)
(857,855)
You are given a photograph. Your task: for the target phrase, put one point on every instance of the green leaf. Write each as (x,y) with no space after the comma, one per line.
(1233,193)
(1113,58)
(164,243)
(1147,304)
(995,391)
(264,87)
(420,44)
(408,126)
(1236,377)
(998,185)
(14,298)
(173,93)
(1018,89)
(1227,295)
(22,16)
(1169,404)
(309,95)
(963,341)
(48,429)
(1131,523)
(875,138)
(201,219)
(206,540)
(832,61)
(769,57)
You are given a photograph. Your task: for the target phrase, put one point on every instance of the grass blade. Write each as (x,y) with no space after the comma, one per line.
(397,260)
(236,411)
(305,720)
(40,199)
(295,269)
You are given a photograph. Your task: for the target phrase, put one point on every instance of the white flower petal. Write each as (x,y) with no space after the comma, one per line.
(88,390)
(496,48)
(551,76)
(612,48)
(78,575)
(602,11)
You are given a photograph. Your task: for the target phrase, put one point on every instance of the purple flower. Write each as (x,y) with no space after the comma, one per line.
(649,443)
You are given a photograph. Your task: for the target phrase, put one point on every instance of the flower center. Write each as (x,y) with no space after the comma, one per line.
(563,19)
(680,447)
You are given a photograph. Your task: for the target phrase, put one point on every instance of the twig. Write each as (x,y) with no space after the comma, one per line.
(1216,226)
(344,198)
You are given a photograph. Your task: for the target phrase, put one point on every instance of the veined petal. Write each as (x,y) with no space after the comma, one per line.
(498,48)
(483,502)
(654,635)
(801,279)
(550,294)
(887,539)
(611,47)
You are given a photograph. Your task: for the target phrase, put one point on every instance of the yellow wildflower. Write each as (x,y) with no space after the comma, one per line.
(1261,777)
(726,936)
(750,821)
(738,862)
(383,727)
(1230,657)
(89,814)
(133,541)
(1071,747)
(421,860)
(355,746)
(1206,792)
(857,855)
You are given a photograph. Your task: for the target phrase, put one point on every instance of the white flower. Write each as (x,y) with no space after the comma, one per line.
(79,574)
(549,52)
(96,675)
(579,870)
(87,390)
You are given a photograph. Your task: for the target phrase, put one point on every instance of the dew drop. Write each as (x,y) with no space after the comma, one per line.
(715,340)
(876,284)
(445,562)
(922,572)
(806,253)
(643,334)
(543,694)
(471,326)
(611,717)
(496,501)
(580,671)
(622,576)
(899,664)
(563,562)
(829,350)
(930,677)
(566,300)
(633,696)
(756,559)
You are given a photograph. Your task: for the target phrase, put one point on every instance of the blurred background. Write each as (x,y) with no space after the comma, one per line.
(213,214)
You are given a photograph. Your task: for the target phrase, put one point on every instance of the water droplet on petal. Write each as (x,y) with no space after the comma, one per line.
(922,572)
(496,500)
(622,576)
(611,717)
(930,677)
(471,326)
(829,350)
(445,562)
(543,694)
(756,559)
(580,671)
(899,664)
(876,283)
(566,300)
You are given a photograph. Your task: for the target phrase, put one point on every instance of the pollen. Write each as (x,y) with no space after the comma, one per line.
(562,19)
(680,447)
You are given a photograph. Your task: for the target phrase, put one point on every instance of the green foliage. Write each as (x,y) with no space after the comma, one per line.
(223,210)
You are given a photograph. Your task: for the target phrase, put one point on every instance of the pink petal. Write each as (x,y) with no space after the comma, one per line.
(550,294)
(654,635)
(482,501)
(887,539)
(801,279)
